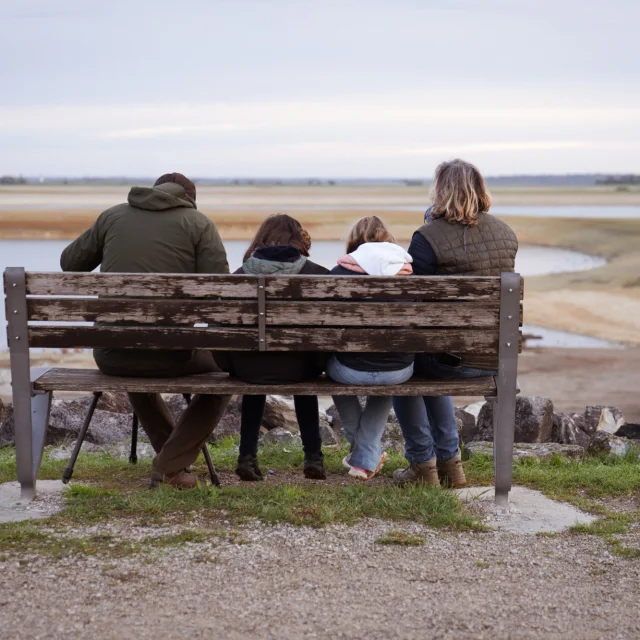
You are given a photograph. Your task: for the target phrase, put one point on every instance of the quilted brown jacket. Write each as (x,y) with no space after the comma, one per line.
(485,250)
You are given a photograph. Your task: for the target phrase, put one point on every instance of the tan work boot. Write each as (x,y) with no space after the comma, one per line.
(180,480)
(424,473)
(451,473)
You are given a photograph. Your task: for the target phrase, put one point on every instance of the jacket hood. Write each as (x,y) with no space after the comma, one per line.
(160,198)
(275,260)
(378,259)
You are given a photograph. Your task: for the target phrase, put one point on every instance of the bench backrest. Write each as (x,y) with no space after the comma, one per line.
(262,313)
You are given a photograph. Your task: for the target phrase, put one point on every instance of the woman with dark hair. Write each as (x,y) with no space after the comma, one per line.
(280,247)
(459,237)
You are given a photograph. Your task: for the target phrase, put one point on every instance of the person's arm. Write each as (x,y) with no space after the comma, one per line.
(425,261)
(211,256)
(84,253)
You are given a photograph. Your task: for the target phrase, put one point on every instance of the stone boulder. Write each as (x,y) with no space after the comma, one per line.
(567,429)
(6,411)
(534,420)
(329,437)
(467,427)
(534,451)
(629,430)
(599,418)
(474,408)
(111,402)
(281,437)
(334,420)
(280,413)
(608,444)
(176,405)
(120,450)
(229,424)
(392,438)
(66,419)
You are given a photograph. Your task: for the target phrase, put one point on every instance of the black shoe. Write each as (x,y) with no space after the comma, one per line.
(314,467)
(248,468)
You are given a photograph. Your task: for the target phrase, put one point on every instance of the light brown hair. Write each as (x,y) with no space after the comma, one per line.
(459,193)
(369,229)
(282,230)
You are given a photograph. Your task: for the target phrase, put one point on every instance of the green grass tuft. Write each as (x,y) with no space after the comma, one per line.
(401,538)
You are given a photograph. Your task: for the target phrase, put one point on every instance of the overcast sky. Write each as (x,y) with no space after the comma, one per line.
(326,88)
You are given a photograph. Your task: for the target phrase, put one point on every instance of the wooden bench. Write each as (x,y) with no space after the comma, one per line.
(463,315)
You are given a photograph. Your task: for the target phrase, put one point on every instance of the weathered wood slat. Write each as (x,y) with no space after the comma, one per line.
(140,285)
(143,311)
(375,288)
(382,340)
(384,314)
(277,339)
(113,337)
(243,286)
(90,380)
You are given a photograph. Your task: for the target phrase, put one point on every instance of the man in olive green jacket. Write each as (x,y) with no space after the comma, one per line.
(159,230)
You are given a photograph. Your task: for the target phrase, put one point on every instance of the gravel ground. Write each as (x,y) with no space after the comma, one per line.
(284,582)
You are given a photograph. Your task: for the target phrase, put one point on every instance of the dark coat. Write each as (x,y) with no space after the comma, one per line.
(277,368)
(371,361)
(158,230)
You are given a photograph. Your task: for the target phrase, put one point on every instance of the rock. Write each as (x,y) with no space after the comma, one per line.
(466,421)
(592,418)
(334,420)
(281,437)
(534,420)
(326,432)
(176,404)
(6,410)
(534,451)
(474,409)
(606,443)
(229,424)
(280,413)
(66,419)
(567,429)
(111,402)
(392,438)
(117,450)
(611,419)
(629,430)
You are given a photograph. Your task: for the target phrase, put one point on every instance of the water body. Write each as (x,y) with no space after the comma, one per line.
(44,255)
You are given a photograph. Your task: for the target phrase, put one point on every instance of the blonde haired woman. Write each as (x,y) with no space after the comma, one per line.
(459,237)
(371,250)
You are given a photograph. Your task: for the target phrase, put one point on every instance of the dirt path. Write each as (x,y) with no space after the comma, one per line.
(283,582)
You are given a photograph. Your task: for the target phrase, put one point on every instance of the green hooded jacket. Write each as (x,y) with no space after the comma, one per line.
(159,230)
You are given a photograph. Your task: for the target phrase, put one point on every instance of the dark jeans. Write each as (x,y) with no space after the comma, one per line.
(176,446)
(308,420)
(429,424)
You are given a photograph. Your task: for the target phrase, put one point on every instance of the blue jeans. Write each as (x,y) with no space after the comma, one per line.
(364,427)
(429,424)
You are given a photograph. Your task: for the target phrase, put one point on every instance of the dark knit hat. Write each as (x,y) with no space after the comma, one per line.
(182,180)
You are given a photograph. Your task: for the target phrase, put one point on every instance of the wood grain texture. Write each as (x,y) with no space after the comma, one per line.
(243,286)
(277,339)
(384,314)
(142,285)
(143,311)
(90,380)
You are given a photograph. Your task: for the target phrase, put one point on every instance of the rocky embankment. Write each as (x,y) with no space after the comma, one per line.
(540,432)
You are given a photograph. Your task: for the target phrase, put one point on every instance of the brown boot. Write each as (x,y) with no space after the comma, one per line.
(451,472)
(180,480)
(424,473)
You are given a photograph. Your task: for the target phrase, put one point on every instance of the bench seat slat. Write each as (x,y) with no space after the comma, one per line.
(477,341)
(92,380)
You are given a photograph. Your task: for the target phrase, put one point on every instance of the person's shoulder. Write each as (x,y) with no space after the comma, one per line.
(313,268)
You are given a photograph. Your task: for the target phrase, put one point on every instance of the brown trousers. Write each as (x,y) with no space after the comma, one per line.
(176,446)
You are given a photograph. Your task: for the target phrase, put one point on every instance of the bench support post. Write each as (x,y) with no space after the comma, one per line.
(30,411)
(504,408)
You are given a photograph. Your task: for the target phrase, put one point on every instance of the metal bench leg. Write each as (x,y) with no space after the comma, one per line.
(133,455)
(215,481)
(68,472)
(504,408)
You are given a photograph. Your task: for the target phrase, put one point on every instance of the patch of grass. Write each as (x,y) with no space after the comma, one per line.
(482,565)
(564,479)
(401,538)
